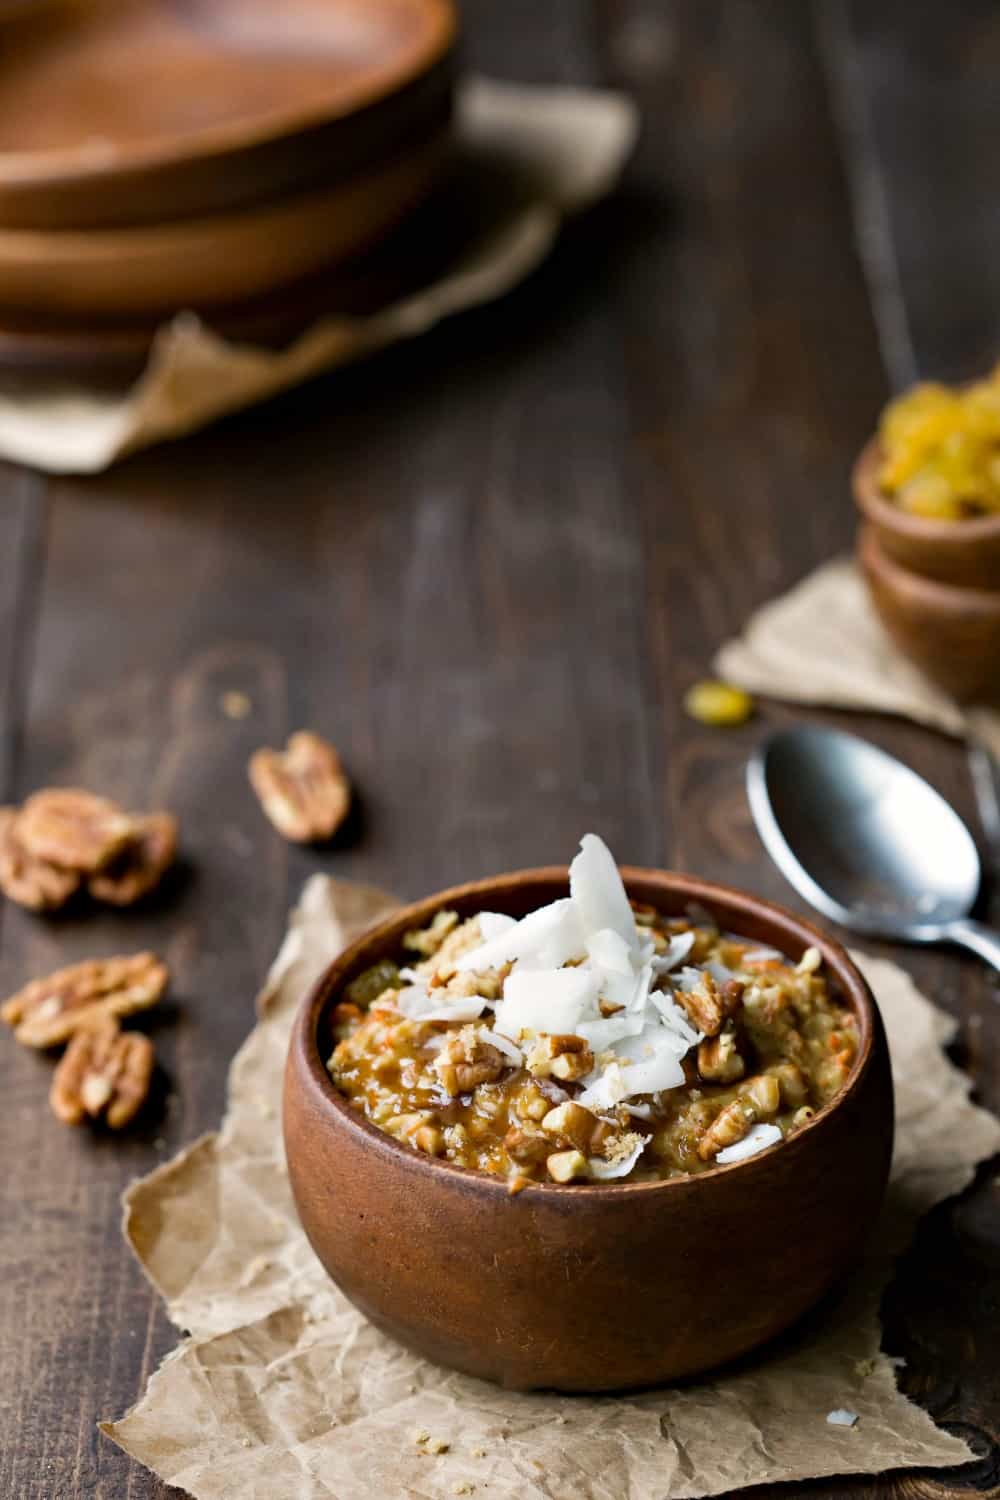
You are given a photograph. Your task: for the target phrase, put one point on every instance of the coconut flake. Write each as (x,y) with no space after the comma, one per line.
(760,955)
(677,952)
(842,1417)
(602,1034)
(609,951)
(493,924)
(412,976)
(675,1020)
(639,1111)
(759,1138)
(604,1171)
(597,891)
(503,1044)
(543,939)
(545,1000)
(416,1003)
(645,1064)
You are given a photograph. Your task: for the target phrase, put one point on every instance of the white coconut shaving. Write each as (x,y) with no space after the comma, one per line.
(545,939)
(541,1000)
(417,1003)
(605,1171)
(678,950)
(493,924)
(842,1417)
(596,890)
(759,1138)
(503,1044)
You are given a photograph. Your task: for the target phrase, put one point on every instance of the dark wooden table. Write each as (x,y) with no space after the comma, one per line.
(488,564)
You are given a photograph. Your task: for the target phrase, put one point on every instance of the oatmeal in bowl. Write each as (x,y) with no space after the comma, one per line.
(588,1129)
(597,1039)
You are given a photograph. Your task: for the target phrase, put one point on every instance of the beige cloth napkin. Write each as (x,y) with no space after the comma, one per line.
(822,643)
(564,146)
(282,1391)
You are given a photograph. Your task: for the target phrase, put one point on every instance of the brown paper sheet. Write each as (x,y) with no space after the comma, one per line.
(283,1392)
(822,643)
(539,153)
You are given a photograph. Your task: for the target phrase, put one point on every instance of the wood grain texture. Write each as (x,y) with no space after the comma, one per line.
(486,566)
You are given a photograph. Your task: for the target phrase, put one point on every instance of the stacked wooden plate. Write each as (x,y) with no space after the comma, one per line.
(217,155)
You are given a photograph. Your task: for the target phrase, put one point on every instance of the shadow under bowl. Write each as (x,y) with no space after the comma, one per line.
(597,1287)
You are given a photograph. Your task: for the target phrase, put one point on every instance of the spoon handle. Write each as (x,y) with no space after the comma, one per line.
(981,939)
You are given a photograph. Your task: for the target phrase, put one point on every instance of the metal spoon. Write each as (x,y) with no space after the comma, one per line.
(866,841)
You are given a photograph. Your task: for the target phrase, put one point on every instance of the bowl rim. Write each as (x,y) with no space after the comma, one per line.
(927,593)
(306,1067)
(56,167)
(878,509)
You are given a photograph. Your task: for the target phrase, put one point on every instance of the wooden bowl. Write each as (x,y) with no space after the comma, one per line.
(132,111)
(966,553)
(600,1286)
(951,633)
(200,263)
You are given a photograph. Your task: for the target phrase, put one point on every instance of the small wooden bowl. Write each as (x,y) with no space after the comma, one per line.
(965,553)
(600,1286)
(951,633)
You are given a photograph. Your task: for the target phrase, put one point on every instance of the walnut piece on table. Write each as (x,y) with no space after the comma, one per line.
(141,865)
(103,1072)
(303,789)
(31,882)
(49,1011)
(73,829)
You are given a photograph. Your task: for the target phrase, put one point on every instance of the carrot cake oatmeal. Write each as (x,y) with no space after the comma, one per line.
(594,1040)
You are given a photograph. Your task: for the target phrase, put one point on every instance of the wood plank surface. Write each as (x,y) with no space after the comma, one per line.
(488,564)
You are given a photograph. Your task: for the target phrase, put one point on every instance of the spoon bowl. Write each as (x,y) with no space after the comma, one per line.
(867,841)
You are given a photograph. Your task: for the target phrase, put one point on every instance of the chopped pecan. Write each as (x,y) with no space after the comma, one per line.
(566,1166)
(48,1011)
(710,1005)
(526,1143)
(303,789)
(141,865)
(719,1060)
(104,1071)
(466,1061)
(30,882)
(729,1126)
(427,940)
(765,1092)
(73,829)
(792,1082)
(573,1123)
(564,1057)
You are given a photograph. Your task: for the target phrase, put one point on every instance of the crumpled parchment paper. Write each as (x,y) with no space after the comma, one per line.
(532,155)
(822,643)
(282,1391)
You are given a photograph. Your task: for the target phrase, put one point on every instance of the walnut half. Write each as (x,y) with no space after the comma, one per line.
(104,1072)
(31,882)
(303,789)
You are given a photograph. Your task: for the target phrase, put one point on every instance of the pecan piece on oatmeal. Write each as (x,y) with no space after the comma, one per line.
(141,865)
(729,1126)
(427,940)
(711,1005)
(466,1061)
(30,882)
(719,1059)
(567,1058)
(302,789)
(104,1071)
(48,1011)
(73,829)
(566,1166)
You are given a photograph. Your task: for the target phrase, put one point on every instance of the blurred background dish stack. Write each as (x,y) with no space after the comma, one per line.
(235,158)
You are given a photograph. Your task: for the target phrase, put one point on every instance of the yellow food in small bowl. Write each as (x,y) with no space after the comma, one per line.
(940,450)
